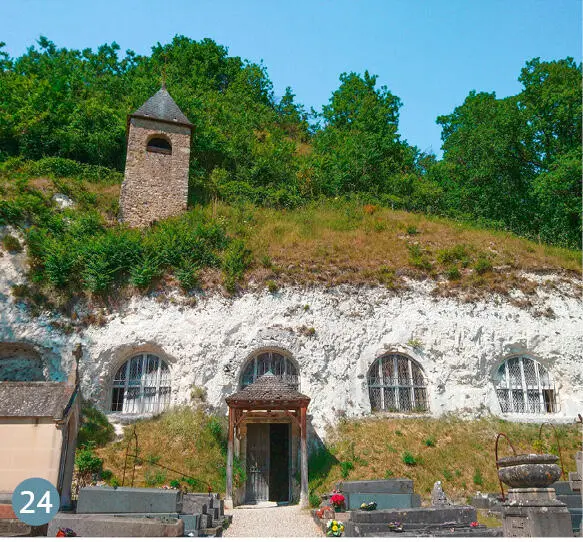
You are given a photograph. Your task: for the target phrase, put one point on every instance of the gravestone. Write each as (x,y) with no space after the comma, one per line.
(105,525)
(535,512)
(438,496)
(128,500)
(412,519)
(393,493)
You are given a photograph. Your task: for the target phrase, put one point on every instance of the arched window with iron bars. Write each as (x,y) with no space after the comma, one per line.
(271,360)
(396,384)
(141,385)
(523,385)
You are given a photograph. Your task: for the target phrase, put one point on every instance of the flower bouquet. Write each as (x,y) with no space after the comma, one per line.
(368,506)
(337,500)
(395,526)
(334,528)
(322,510)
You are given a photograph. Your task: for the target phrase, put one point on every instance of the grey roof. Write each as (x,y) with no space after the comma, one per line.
(35,399)
(268,388)
(161,106)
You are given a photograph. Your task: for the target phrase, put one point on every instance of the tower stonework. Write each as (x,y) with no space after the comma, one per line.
(155,184)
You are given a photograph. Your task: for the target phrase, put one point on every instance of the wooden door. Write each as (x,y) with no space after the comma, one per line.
(257,462)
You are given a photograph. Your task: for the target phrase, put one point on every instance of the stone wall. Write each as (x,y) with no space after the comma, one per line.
(155,184)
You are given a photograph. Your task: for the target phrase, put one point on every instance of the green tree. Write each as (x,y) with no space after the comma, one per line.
(359,149)
(485,172)
(551,102)
(558,192)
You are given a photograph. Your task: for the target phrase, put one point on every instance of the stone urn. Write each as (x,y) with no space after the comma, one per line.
(528,470)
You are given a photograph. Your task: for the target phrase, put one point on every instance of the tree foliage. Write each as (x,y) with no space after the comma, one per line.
(509,162)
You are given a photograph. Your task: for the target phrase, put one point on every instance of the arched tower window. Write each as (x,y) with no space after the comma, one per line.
(159,144)
(141,385)
(396,384)
(279,364)
(524,385)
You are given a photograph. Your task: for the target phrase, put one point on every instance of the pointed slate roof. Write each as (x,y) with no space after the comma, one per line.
(266,389)
(161,106)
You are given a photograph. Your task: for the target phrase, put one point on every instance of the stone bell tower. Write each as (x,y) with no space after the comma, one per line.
(155,185)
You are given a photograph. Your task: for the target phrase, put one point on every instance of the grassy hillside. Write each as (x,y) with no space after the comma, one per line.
(459,453)
(188,441)
(81,250)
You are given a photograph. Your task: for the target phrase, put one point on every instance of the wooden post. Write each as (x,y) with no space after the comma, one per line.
(304,501)
(229,496)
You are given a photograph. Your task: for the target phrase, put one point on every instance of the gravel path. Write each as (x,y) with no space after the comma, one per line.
(271,521)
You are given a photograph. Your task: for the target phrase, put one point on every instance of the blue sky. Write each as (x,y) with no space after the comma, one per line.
(430,53)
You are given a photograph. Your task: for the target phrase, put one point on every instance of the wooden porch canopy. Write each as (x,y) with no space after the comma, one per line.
(268,397)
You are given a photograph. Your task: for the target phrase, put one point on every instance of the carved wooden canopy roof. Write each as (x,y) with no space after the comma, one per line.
(268,392)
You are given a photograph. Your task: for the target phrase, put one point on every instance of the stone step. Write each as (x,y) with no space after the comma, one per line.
(385,501)
(191,523)
(212,532)
(392,485)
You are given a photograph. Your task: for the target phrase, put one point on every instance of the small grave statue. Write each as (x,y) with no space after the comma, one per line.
(438,496)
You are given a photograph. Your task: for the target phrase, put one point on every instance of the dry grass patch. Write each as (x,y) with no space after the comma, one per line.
(459,453)
(337,243)
(184,439)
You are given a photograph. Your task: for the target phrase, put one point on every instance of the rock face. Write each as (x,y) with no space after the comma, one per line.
(458,346)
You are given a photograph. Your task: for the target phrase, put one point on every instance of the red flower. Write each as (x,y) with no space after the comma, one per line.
(474,524)
(337,499)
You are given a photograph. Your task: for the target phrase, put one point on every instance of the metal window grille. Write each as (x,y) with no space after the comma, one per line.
(141,385)
(395,383)
(524,385)
(275,362)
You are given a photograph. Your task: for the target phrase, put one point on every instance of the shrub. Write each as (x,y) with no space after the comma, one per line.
(453,273)
(429,442)
(145,270)
(345,468)
(88,464)
(411,230)
(415,343)
(272,287)
(154,477)
(447,475)
(237,259)
(483,265)
(419,258)
(187,275)
(11,243)
(314,499)
(409,458)
(95,427)
(456,254)
(478,480)
(198,393)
